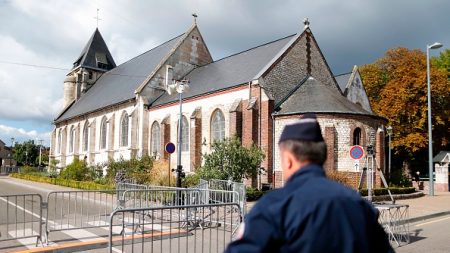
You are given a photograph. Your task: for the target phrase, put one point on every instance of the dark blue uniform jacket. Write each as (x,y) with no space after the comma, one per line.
(312,214)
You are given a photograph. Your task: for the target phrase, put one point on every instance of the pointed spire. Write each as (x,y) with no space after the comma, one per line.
(95,54)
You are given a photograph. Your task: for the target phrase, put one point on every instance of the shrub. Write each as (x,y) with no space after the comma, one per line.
(159,174)
(384,191)
(77,170)
(191,180)
(137,169)
(230,160)
(84,185)
(253,194)
(28,170)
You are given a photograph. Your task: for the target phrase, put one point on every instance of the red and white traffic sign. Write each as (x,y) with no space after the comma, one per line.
(356,152)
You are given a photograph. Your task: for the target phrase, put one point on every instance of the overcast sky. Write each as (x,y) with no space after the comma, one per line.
(53,33)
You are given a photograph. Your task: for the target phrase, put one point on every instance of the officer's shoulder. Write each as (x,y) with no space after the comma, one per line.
(270,200)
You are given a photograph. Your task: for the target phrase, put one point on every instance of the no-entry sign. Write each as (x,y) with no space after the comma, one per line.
(170,147)
(356,152)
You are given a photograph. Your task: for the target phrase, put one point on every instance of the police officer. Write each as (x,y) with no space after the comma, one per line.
(310,213)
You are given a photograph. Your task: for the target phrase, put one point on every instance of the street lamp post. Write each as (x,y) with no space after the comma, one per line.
(389,132)
(430,139)
(12,153)
(180,87)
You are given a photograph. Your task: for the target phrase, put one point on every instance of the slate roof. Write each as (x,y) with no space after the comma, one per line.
(87,58)
(228,72)
(118,85)
(311,95)
(342,80)
(440,157)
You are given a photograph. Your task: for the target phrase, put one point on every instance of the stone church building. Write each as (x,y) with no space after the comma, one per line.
(124,111)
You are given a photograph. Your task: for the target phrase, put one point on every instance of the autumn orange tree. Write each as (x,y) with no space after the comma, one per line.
(397,89)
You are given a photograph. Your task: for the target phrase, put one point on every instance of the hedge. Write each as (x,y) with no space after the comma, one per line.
(394,190)
(84,185)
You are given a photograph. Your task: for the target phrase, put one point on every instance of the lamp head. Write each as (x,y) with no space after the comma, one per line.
(389,130)
(435,45)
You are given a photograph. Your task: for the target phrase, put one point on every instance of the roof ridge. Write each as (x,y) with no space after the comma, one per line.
(151,49)
(346,73)
(292,91)
(249,49)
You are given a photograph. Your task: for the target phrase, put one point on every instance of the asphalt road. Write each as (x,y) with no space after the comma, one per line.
(430,236)
(20,215)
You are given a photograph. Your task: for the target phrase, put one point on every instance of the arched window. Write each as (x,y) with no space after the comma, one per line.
(357,136)
(184,134)
(124,130)
(217,126)
(59,141)
(86,136)
(71,139)
(155,143)
(103,133)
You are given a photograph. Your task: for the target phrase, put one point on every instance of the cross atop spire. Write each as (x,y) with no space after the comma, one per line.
(97,17)
(195,17)
(306,23)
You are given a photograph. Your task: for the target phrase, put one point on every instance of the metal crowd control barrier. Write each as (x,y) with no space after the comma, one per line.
(21,217)
(68,210)
(393,218)
(228,185)
(176,196)
(191,228)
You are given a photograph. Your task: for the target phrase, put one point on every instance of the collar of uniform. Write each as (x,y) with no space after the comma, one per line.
(310,170)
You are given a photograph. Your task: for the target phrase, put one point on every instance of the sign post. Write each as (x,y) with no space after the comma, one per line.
(169,148)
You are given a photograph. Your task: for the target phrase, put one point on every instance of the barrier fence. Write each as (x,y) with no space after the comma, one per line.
(21,217)
(68,210)
(227,185)
(190,228)
(393,218)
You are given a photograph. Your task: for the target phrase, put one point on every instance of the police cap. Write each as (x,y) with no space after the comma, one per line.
(306,129)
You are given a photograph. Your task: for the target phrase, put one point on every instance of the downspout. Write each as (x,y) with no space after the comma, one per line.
(259,133)
(273,149)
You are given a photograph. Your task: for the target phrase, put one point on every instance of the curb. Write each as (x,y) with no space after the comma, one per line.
(426,217)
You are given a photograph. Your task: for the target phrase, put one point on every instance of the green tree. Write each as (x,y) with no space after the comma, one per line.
(26,153)
(443,61)
(229,160)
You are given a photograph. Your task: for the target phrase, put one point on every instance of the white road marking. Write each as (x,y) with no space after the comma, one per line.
(433,221)
(25,210)
(27,242)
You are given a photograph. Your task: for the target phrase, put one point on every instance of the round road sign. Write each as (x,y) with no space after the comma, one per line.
(170,147)
(356,152)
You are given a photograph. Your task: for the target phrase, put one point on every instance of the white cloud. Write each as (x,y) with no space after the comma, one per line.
(20,135)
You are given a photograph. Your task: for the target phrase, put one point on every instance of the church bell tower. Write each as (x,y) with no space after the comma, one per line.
(94,60)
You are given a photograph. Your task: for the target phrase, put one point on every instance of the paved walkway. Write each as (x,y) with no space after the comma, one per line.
(418,207)
(427,205)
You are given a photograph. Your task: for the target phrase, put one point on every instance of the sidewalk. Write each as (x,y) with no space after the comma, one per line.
(425,206)
(418,207)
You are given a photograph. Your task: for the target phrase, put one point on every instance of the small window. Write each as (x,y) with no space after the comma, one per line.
(124,130)
(85,136)
(217,126)
(103,133)
(59,141)
(156,139)
(90,75)
(357,136)
(71,139)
